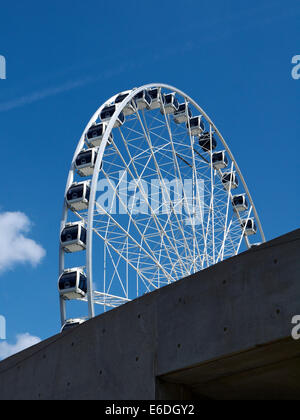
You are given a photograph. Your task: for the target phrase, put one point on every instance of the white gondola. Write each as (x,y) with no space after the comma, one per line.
(108,112)
(155,98)
(85,162)
(72,323)
(183,114)
(95,135)
(230,181)
(196,125)
(249,226)
(72,284)
(240,203)
(170,103)
(129,109)
(143,100)
(254,246)
(207,141)
(220,160)
(78,196)
(73,237)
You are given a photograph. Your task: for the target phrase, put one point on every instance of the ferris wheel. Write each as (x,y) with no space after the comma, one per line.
(153,195)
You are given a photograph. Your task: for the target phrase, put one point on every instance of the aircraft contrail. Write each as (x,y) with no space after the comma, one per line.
(209,37)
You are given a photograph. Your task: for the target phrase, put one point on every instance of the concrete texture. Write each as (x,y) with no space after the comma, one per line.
(223,333)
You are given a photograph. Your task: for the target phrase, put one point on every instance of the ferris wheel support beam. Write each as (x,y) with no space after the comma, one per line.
(143,193)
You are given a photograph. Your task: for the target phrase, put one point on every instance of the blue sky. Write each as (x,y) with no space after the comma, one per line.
(66,58)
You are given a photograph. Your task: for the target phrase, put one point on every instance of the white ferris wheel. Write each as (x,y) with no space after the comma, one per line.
(153,195)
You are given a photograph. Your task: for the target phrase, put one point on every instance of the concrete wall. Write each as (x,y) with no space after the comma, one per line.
(203,337)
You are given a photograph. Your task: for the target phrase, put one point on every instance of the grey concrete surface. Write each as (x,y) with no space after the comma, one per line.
(223,333)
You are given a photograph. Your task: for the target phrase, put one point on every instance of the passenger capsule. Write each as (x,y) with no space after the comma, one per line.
(155,98)
(183,114)
(72,284)
(85,162)
(129,109)
(249,227)
(254,246)
(78,196)
(95,135)
(230,181)
(72,323)
(170,103)
(219,160)
(143,100)
(73,237)
(196,126)
(108,112)
(207,142)
(240,203)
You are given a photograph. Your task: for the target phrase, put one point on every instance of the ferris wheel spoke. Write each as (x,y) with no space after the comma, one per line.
(141,274)
(221,252)
(116,273)
(139,262)
(243,236)
(128,234)
(166,193)
(204,253)
(180,178)
(153,214)
(173,263)
(119,257)
(227,212)
(146,199)
(150,254)
(195,183)
(212,195)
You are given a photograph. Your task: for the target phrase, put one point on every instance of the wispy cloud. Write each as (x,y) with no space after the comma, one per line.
(38,95)
(15,248)
(23,341)
(64,87)
(242,20)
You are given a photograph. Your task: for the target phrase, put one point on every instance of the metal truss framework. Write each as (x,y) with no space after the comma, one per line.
(131,252)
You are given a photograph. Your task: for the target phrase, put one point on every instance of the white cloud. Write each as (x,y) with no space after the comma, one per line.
(15,248)
(56,90)
(23,342)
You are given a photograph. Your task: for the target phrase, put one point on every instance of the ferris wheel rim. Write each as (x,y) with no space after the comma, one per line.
(119,108)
